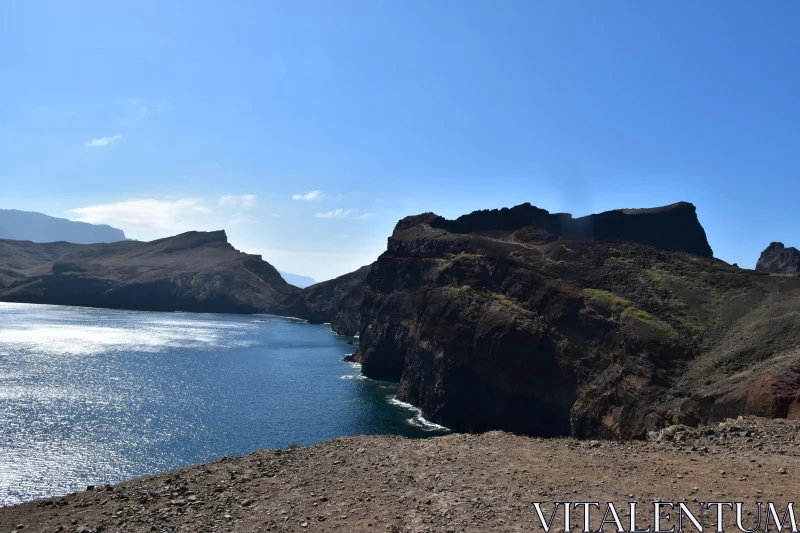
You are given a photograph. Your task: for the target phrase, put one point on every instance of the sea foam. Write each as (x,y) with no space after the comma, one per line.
(418,420)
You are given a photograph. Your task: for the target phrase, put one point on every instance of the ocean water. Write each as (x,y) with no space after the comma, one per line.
(94,396)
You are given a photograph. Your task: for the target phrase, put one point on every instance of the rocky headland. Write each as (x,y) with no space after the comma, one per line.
(619,327)
(612,325)
(194,271)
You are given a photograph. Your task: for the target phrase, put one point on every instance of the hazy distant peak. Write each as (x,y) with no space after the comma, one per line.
(38,227)
(297,280)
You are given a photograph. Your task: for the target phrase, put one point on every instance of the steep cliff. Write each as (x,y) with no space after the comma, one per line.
(515,319)
(674,227)
(777,259)
(194,271)
(335,301)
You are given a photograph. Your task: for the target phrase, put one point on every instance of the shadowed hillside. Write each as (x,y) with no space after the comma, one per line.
(336,301)
(194,271)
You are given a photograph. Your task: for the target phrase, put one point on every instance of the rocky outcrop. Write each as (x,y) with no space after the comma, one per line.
(674,227)
(37,227)
(777,259)
(194,271)
(517,320)
(335,301)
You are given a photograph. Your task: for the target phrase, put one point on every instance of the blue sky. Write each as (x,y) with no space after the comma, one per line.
(159,117)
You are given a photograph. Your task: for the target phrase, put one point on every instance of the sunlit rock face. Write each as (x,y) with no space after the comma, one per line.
(778,259)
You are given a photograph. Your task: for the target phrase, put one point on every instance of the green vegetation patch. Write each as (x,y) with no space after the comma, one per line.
(619,261)
(466,256)
(638,317)
(605,298)
(505,300)
(638,314)
(660,278)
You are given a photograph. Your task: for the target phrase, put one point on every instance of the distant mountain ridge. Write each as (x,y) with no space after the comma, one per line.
(297,280)
(194,271)
(38,227)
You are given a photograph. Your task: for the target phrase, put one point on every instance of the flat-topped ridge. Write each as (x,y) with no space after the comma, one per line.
(675,226)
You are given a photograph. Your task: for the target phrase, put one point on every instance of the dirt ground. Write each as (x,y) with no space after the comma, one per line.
(455,483)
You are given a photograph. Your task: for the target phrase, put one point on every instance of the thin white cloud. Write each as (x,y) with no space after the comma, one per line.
(312,195)
(275,215)
(336,213)
(102,141)
(147,218)
(344,213)
(246,200)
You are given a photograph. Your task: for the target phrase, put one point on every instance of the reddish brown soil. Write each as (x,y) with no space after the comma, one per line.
(471,483)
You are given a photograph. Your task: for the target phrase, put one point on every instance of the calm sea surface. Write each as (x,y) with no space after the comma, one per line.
(90,396)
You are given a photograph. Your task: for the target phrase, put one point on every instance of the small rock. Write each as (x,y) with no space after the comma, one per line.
(782,470)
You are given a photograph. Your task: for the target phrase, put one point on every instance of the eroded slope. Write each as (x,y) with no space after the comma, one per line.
(524,330)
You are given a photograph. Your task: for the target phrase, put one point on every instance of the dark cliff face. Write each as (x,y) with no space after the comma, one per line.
(335,301)
(195,271)
(491,322)
(674,227)
(777,259)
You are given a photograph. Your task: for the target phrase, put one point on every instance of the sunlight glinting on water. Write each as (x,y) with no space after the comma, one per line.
(92,396)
